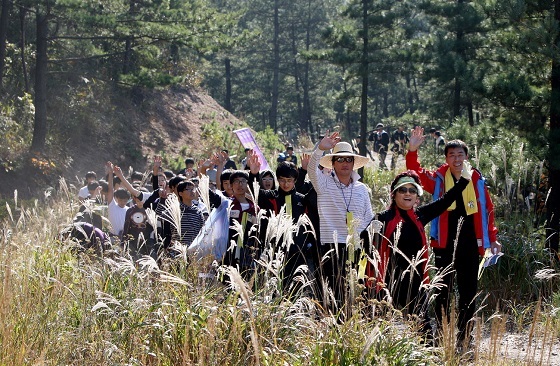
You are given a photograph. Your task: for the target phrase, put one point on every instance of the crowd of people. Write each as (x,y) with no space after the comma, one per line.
(334,234)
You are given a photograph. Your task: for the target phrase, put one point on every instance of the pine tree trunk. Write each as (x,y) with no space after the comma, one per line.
(273,114)
(553,203)
(6,6)
(365,82)
(40,127)
(470,113)
(299,102)
(457,98)
(227,101)
(306,98)
(22,15)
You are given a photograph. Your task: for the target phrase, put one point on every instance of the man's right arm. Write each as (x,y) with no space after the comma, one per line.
(328,142)
(426,176)
(313,167)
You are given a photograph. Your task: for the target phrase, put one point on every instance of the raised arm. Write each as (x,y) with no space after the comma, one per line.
(155,172)
(219,160)
(327,143)
(203,166)
(253,162)
(416,138)
(109,173)
(433,209)
(302,170)
(133,191)
(254,165)
(427,177)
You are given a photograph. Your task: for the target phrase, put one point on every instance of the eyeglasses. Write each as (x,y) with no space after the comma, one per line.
(411,190)
(286,180)
(267,179)
(239,181)
(342,159)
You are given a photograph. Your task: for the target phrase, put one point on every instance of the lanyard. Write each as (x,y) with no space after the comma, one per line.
(349,215)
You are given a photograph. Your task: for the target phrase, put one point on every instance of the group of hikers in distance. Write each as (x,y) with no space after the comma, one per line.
(333,235)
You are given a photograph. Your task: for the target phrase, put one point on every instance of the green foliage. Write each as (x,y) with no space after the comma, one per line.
(253,66)
(16,121)
(513,279)
(379,181)
(504,157)
(268,140)
(150,78)
(219,138)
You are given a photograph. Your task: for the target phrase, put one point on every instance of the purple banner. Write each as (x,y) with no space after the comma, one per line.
(247,139)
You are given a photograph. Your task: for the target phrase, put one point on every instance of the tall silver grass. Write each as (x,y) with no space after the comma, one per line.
(203,190)
(241,287)
(173,212)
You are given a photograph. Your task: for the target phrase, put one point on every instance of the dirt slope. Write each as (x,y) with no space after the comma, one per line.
(125,126)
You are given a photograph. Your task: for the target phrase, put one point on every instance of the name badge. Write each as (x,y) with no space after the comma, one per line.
(349,218)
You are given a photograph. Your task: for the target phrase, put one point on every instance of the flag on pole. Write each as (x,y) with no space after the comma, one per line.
(247,139)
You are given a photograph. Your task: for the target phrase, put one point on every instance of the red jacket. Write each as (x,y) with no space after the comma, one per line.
(385,249)
(433,182)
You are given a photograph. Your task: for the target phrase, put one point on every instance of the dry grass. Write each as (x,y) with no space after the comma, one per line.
(59,307)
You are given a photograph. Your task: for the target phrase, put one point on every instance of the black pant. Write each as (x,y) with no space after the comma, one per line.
(405,286)
(465,275)
(297,256)
(331,274)
(382,157)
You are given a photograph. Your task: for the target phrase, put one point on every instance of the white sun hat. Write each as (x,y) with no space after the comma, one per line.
(408,180)
(343,149)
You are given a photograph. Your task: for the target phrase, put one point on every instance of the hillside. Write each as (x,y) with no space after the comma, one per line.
(151,122)
(125,126)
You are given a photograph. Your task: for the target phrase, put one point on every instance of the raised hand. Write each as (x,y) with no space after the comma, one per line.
(157,163)
(189,173)
(214,159)
(118,171)
(305,160)
(108,168)
(253,162)
(467,170)
(416,138)
(328,142)
(204,165)
(221,159)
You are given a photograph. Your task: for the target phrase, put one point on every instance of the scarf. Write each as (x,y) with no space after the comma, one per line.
(469,195)
(385,250)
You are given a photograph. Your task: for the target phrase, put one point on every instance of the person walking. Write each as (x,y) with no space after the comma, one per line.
(343,203)
(462,233)
(381,144)
(403,249)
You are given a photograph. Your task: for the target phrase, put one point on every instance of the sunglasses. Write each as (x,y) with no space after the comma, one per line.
(347,159)
(410,190)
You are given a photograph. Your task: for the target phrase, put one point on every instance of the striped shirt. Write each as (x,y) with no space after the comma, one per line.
(192,221)
(335,199)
